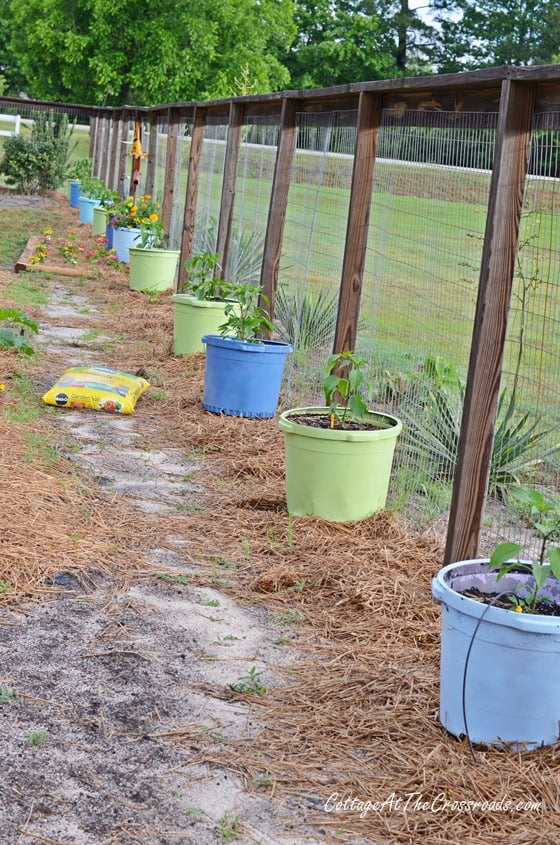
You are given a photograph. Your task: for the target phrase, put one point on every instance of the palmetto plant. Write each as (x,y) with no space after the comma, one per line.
(433,438)
(305,319)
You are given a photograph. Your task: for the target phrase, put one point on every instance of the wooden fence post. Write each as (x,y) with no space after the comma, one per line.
(279,200)
(369,119)
(115,142)
(123,153)
(494,292)
(150,186)
(170,168)
(235,126)
(191,196)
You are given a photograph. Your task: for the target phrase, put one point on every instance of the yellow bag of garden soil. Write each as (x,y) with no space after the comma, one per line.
(98,388)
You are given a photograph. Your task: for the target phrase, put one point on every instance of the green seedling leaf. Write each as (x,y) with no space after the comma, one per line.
(554,558)
(502,553)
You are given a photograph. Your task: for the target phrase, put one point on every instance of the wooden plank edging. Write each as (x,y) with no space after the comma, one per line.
(24,262)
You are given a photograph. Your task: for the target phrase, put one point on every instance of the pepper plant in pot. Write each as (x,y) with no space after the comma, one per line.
(152,265)
(244,370)
(500,638)
(199,306)
(339,456)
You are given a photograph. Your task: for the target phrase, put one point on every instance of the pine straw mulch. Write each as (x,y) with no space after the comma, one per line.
(355,716)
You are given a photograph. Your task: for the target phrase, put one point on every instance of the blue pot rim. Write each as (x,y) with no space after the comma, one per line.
(262,347)
(443,592)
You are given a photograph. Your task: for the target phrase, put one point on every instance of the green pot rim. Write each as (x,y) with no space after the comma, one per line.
(290,427)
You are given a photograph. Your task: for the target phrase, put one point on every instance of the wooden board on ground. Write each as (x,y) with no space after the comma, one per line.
(24,261)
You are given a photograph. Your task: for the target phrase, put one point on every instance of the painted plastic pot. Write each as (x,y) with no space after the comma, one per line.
(99,223)
(74,194)
(243,379)
(339,475)
(193,318)
(152,269)
(123,239)
(86,206)
(109,231)
(506,689)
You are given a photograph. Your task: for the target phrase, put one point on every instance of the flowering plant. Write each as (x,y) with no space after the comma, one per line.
(132,214)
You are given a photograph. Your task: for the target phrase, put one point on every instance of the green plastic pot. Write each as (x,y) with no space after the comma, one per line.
(193,318)
(339,475)
(99,225)
(152,269)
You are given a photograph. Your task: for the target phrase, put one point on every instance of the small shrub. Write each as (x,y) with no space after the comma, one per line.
(37,164)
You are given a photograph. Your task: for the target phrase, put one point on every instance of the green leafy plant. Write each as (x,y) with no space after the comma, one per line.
(91,186)
(229,828)
(244,254)
(545,520)
(433,437)
(7,694)
(343,386)
(203,281)
(249,683)
(245,319)
(304,319)
(79,170)
(13,323)
(38,737)
(38,163)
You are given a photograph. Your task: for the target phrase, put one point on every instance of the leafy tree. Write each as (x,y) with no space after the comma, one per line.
(490,33)
(338,43)
(132,51)
(357,40)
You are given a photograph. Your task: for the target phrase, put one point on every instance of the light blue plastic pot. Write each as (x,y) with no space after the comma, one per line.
(123,239)
(74,195)
(512,679)
(243,379)
(86,205)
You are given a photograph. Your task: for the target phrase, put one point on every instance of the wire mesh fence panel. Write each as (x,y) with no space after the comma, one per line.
(527,445)
(420,284)
(253,189)
(313,248)
(210,186)
(184,134)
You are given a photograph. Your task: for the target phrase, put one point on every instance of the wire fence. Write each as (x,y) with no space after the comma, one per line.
(427,219)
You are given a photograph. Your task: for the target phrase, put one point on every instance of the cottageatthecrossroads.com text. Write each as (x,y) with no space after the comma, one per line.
(415,802)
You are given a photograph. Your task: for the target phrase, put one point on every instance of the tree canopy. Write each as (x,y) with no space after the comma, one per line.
(140,52)
(489,33)
(132,51)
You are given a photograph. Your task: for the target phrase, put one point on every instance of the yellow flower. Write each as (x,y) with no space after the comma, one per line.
(147,196)
(2,387)
(518,608)
(154,217)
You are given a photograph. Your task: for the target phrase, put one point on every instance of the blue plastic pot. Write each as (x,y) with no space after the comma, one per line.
(243,379)
(74,195)
(123,239)
(86,205)
(511,683)
(109,232)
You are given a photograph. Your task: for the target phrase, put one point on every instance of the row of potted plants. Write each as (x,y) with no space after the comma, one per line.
(500,620)
(338,460)
(133,229)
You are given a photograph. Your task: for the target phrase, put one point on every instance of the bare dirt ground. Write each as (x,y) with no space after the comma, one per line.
(149,566)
